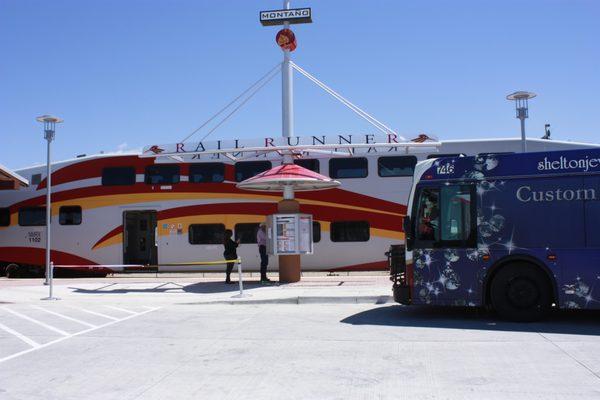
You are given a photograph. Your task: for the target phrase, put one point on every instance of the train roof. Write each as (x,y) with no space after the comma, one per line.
(450,143)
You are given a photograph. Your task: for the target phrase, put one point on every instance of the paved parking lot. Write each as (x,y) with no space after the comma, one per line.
(28,328)
(136,344)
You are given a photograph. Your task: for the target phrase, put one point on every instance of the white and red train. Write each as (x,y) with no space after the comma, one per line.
(110,209)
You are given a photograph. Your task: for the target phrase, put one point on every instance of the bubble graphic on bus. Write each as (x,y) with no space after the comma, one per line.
(450,279)
(451,255)
(496,223)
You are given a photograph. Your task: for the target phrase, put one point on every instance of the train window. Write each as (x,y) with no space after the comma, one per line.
(69,215)
(32,216)
(118,176)
(207,172)
(350,231)
(446,155)
(162,174)
(312,164)
(248,169)
(246,232)
(4,216)
(36,179)
(352,167)
(316,232)
(206,233)
(396,166)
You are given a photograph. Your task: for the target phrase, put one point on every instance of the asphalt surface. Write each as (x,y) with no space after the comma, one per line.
(145,347)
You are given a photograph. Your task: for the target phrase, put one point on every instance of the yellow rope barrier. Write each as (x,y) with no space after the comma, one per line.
(206,262)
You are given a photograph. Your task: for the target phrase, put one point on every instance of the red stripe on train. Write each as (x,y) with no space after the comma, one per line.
(37,256)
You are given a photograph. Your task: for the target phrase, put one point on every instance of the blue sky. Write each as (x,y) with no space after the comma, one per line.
(124,74)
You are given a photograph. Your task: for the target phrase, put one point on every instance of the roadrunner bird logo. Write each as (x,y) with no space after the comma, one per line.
(155,149)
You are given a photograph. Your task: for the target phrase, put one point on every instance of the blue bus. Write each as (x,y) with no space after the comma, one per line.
(517,232)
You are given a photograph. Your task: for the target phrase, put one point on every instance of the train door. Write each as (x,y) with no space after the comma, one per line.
(140,238)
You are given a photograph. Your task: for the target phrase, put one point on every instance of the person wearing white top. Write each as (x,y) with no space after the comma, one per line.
(261,240)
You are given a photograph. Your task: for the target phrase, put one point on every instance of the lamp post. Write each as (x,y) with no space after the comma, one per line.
(49,122)
(522,107)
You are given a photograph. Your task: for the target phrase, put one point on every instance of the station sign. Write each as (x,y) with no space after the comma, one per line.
(292,16)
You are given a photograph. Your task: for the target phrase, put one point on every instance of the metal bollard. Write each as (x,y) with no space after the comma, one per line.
(240,280)
(51,283)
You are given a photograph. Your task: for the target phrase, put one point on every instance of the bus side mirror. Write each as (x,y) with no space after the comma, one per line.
(408,234)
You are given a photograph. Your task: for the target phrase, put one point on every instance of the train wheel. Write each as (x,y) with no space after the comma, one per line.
(521,292)
(13,271)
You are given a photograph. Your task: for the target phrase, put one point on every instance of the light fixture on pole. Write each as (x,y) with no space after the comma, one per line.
(49,122)
(522,107)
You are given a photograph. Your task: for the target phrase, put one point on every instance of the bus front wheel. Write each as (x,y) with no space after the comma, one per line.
(521,292)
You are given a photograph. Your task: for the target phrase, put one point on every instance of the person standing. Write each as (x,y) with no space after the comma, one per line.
(230,252)
(261,240)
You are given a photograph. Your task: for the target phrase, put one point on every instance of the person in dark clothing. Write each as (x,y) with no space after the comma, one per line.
(230,252)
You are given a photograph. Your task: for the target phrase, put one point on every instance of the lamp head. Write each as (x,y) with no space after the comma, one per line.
(49,118)
(521,95)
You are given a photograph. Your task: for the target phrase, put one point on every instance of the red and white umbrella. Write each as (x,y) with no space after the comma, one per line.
(288,178)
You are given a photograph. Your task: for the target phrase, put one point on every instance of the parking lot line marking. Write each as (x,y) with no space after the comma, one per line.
(97,313)
(121,309)
(41,346)
(35,321)
(66,317)
(20,336)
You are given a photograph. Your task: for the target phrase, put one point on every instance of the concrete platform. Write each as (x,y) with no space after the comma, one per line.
(182,288)
(143,338)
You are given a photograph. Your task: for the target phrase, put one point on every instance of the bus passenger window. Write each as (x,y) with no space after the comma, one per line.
(456,213)
(428,216)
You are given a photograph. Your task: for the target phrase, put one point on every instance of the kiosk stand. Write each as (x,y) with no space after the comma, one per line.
(289,235)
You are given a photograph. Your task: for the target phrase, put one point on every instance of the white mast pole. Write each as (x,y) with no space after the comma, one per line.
(287,88)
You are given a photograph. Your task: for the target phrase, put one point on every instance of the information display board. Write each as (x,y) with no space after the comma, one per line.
(289,234)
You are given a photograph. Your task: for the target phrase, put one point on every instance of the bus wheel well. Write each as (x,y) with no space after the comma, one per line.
(487,301)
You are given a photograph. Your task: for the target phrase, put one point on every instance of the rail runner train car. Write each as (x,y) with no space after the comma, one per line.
(111,209)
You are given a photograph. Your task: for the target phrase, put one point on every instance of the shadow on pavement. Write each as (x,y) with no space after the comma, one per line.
(220,287)
(199,287)
(581,322)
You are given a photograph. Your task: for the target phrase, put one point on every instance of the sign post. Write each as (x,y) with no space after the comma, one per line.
(287,41)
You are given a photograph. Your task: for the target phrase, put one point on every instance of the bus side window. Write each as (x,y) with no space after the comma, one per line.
(428,216)
(457,216)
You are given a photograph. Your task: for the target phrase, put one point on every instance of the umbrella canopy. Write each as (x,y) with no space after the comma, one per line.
(288,175)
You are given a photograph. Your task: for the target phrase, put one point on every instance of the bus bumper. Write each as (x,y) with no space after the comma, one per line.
(401,294)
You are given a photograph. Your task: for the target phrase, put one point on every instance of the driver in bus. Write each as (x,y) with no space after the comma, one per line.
(428,223)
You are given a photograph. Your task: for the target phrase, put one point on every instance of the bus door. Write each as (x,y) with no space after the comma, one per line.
(140,238)
(444,243)
(580,260)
